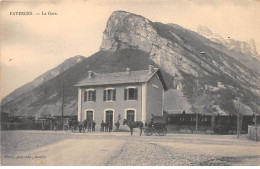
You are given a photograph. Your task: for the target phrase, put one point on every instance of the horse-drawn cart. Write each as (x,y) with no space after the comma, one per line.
(156,126)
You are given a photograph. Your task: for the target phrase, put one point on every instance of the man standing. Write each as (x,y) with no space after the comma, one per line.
(102,126)
(117,124)
(106,126)
(89,125)
(80,127)
(110,126)
(93,125)
(85,125)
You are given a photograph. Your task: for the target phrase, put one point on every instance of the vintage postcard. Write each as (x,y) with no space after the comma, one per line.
(130,83)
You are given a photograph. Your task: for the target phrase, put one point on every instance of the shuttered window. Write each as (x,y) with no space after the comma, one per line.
(109,95)
(114,95)
(131,94)
(125,96)
(90,95)
(85,96)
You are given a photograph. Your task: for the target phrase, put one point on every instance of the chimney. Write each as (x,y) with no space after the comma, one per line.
(90,74)
(127,71)
(151,68)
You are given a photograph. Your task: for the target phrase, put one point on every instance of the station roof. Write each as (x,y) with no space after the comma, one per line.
(140,76)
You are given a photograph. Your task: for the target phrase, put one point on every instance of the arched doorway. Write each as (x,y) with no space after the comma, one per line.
(109,117)
(130,115)
(89,115)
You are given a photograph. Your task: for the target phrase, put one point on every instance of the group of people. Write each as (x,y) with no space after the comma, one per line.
(87,125)
(90,126)
(106,126)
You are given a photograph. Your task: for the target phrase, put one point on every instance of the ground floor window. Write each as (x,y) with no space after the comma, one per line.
(90,115)
(109,116)
(130,115)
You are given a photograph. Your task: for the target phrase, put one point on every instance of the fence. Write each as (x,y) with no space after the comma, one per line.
(252,131)
(37,125)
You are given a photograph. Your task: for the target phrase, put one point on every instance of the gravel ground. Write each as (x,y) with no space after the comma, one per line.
(19,141)
(136,153)
(121,149)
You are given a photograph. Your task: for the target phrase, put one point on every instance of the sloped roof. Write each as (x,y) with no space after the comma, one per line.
(175,111)
(121,78)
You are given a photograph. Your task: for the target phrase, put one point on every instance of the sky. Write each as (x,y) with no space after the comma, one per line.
(30,45)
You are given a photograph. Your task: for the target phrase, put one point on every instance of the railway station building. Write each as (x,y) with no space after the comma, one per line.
(112,97)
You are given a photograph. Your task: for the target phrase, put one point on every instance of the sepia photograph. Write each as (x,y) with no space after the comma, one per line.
(130,82)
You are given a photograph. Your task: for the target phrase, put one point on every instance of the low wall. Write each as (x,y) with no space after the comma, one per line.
(252,132)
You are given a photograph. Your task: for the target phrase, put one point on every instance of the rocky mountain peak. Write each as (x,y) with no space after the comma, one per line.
(205,31)
(127,30)
(252,45)
(165,43)
(122,30)
(248,48)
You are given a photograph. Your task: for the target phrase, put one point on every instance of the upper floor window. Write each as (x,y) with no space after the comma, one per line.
(90,95)
(109,94)
(131,93)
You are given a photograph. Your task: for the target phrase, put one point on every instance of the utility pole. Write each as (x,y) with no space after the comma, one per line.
(62,105)
(238,120)
(255,122)
(45,101)
(197,118)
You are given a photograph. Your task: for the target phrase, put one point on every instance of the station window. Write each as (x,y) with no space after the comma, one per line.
(109,95)
(130,115)
(131,93)
(90,95)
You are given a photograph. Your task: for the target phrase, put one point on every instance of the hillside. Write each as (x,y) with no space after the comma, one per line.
(44,78)
(207,73)
(46,98)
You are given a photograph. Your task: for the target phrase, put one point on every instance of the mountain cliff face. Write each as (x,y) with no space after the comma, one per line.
(248,48)
(184,54)
(172,47)
(207,73)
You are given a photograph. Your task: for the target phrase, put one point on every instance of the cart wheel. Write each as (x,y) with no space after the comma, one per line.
(162,131)
(148,131)
(165,131)
(66,127)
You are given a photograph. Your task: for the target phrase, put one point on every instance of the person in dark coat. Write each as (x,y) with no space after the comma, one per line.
(102,126)
(89,125)
(117,124)
(146,124)
(85,125)
(80,127)
(110,126)
(106,126)
(93,125)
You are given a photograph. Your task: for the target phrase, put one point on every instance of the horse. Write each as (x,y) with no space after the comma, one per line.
(134,124)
